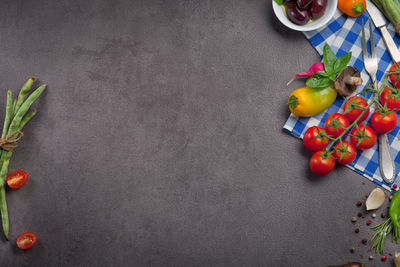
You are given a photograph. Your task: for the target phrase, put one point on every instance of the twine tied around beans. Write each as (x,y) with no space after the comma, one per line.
(8,143)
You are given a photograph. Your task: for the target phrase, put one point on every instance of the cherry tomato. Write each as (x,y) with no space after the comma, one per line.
(352,113)
(17,179)
(345,150)
(315,138)
(335,124)
(366,135)
(392,100)
(320,164)
(395,77)
(383,124)
(26,240)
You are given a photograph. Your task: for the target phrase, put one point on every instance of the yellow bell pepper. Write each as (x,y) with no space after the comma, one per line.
(308,101)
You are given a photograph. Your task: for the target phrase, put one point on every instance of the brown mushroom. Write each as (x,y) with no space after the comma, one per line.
(348,80)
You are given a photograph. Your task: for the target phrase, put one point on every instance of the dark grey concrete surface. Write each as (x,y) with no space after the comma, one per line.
(159,141)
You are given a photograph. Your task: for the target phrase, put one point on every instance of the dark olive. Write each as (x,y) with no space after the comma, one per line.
(318,8)
(303,4)
(296,15)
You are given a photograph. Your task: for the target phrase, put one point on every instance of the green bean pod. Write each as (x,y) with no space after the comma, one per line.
(23,92)
(9,112)
(394,213)
(24,109)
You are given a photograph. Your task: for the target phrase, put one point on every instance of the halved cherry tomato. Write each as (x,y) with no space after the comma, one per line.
(315,138)
(363,139)
(354,107)
(26,240)
(335,124)
(321,164)
(384,123)
(392,100)
(395,77)
(345,152)
(17,179)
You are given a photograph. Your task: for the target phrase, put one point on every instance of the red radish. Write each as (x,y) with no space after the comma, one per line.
(319,66)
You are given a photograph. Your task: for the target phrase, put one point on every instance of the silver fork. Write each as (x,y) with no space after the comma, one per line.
(386,163)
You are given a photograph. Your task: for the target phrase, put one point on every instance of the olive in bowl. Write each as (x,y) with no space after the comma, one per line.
(304,15)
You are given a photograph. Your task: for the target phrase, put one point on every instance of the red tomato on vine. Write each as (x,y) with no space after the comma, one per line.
(383,121)
(322,163)
(335,124)
(345,152)
(363,137)
(353,108)
(315,138)
(395,77)
(390,98)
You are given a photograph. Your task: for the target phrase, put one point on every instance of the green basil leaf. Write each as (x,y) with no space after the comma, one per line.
(322,73)
(329,59)
(341,63)
(279,2)
(332,77)
(318,81)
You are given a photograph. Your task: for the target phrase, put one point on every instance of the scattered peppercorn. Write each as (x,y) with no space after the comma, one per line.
(359,203)
(357,231)
(369,222)
(353,219)
(352,250)
(359,214)
(363,217)
(390,197)
(390,254)
(371,258)
(364,241)
(383,215)
(373,215)
(366,196)
(394,186)
(383,258)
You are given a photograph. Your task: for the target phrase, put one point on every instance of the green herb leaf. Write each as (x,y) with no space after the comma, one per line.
(279,2)
(333,76)
(329,59)
(317,81)
(322,73)
(341,63)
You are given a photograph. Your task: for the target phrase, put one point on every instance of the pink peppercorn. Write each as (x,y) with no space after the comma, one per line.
(369,222)
(394,186)
(383,258)
(359,203)
(363,217)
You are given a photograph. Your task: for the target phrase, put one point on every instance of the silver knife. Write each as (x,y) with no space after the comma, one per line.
(380,23)
(386,163)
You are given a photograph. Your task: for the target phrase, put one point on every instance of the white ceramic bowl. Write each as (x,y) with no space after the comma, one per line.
(318,23)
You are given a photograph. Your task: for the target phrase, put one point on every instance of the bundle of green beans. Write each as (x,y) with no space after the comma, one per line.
(17,116)
(391,9)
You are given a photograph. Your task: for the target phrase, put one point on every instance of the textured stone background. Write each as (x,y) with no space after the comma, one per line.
(159,141)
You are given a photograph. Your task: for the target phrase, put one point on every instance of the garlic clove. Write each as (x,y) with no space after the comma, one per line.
(375,199)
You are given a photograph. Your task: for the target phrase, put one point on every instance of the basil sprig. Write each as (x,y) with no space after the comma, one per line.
(333,66)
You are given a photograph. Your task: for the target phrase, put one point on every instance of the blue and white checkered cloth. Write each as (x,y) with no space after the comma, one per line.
(343,34)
